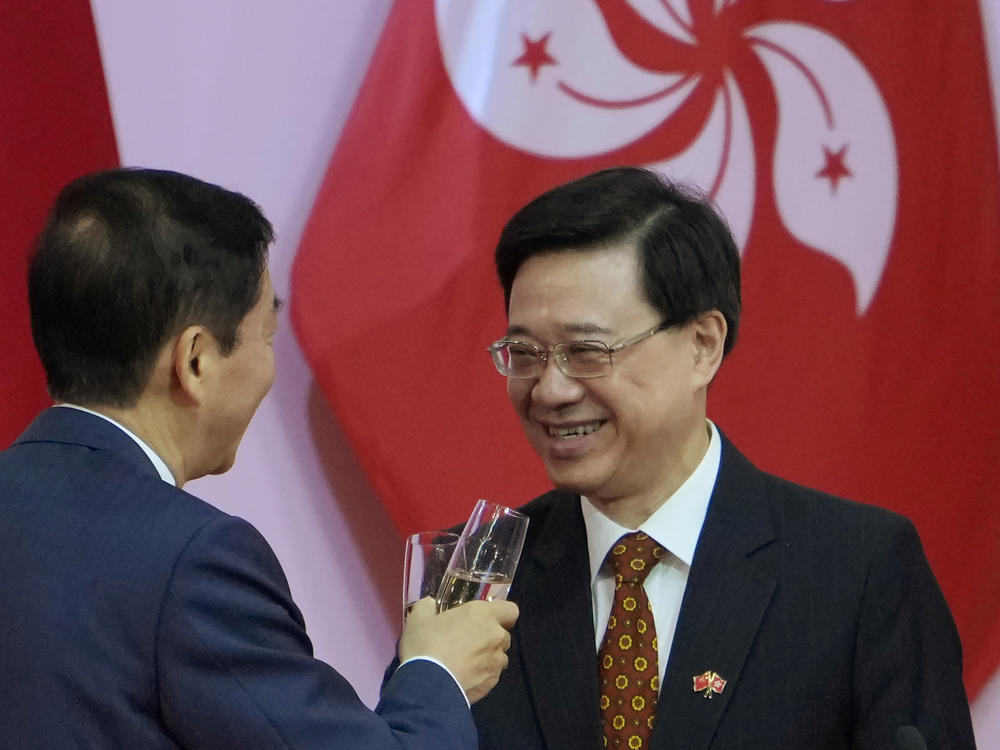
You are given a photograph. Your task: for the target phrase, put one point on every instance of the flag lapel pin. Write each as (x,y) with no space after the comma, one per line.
(708,682)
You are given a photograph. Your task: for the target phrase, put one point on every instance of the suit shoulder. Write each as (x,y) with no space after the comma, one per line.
(806,512)
(50,485)
(823,524)
(198,526)
(792,500)
(795,500)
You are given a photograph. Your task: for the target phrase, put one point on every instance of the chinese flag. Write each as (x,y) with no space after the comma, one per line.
(852,148)
(55,125)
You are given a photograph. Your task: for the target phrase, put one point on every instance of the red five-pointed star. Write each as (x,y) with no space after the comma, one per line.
(834,168)
(535,55)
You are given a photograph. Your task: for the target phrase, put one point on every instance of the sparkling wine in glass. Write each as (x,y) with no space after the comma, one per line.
(485,558)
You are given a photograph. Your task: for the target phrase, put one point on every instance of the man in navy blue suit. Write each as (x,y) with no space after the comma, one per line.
(779,618)
(134,614)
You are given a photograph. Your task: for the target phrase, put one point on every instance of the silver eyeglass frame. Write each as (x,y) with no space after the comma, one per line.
(562,358)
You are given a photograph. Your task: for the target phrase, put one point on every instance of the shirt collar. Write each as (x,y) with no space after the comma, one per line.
(158,463)
(676,524)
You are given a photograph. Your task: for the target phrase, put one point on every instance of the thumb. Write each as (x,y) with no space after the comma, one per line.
(505,612)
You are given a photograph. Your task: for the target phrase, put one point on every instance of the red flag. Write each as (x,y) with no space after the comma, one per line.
(860,176)
(55,125)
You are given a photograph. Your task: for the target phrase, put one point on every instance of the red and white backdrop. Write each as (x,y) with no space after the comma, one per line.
(851,145)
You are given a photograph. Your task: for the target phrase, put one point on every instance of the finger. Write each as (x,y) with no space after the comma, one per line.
(426,607)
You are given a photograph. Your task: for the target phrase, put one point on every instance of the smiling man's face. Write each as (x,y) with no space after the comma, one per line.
(632,432)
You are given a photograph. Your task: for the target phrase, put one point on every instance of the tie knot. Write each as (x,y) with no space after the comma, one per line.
(633,556)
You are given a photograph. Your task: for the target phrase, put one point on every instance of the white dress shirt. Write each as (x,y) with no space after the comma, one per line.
(676,526)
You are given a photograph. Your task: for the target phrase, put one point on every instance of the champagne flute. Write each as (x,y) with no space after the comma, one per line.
(425,558)
(485,558)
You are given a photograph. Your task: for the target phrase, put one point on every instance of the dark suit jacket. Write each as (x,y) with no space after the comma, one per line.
(133,615)
(822,615)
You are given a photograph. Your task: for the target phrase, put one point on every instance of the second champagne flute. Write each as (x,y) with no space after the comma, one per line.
(425,559)
(485,558)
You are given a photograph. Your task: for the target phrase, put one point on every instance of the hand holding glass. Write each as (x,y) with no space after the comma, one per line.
(485,558)
(425,558)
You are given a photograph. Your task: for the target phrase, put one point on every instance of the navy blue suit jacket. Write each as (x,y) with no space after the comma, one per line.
(822,615)
(134,615)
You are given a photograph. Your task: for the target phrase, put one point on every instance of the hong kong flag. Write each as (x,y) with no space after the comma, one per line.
(55,125)
(851,147)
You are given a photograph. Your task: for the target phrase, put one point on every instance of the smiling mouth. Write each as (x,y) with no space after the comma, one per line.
(579,430)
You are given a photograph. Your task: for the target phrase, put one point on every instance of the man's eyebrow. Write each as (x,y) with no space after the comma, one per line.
(573,329)
(586,328)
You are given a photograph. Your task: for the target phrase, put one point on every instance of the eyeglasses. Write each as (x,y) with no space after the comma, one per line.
(575,359)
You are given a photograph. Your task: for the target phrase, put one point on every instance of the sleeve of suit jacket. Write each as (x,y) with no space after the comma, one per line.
(235,666)
(908,663)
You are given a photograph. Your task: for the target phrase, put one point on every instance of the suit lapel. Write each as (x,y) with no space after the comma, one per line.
(559,656)
(728,591)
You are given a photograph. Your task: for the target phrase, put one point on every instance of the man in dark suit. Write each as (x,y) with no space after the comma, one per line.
(671,594)
(134,614)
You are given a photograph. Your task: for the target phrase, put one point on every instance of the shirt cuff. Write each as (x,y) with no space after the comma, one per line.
(435,661)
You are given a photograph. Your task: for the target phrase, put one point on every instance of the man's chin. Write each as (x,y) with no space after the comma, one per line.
(224,466)
(571,480)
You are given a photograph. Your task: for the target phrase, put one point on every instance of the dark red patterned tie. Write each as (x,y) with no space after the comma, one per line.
(627,659)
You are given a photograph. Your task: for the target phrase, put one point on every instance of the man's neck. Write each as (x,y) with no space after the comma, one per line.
(632,510)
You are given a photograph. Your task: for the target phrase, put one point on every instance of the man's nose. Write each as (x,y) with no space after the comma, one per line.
(554,387)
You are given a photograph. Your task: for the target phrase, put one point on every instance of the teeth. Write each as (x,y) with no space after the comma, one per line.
(578,430)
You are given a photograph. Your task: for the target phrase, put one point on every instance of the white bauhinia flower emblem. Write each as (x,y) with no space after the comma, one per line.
(569,79)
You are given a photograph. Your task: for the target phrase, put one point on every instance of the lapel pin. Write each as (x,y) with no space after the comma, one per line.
(708,682)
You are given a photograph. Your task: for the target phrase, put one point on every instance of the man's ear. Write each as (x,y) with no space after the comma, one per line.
(194,355)
(709,331)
